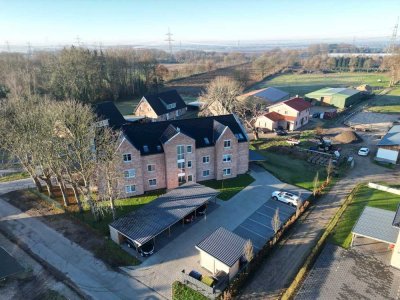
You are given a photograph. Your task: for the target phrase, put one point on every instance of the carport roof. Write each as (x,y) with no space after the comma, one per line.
(224,245)
(145,223)
(9,265)
(376,223)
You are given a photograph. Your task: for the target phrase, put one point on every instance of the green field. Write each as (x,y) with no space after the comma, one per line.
(183,292)
(229,187)
(301,84)
(389,103)
(365,196)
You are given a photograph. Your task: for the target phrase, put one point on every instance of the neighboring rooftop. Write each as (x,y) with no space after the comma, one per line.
(392,137)
(204,129)
(108,111)
(269,94)
(165,102)
(298,104)
(376,223)
(328,91)
(144,224)
(8,264)
(396,220)
(224,245)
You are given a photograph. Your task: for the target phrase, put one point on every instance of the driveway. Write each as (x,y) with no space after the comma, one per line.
(161,269)
(278,271)
(9,186)
(94,278)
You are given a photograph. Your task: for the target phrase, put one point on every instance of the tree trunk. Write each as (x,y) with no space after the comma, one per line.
(112,206)
(77,198)
(37,183)
(49,186)
(63,190)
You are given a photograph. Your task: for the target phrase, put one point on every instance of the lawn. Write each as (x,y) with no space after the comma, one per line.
(183,292)
(389,103)
(292,170)
(123,206)
(364,196)
(14,176)
(301,84)
(229,187)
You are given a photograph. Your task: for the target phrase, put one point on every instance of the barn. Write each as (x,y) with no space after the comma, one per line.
(338,97)
(389,146)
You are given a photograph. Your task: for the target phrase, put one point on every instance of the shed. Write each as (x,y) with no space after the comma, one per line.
(221,251)
(338,97)
(270,95)
(389,146)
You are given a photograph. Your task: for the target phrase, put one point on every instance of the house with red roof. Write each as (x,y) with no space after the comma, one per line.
(289,114)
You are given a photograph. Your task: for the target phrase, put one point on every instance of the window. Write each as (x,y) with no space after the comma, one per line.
(127,157)
(190,178)
(206,141)
(189,149)
(227,158)
(130,173)
(177,113)
(152,182)
(206,159)
(158,148)
(171,106)
(181,165)
(227,172)
(145,148)
(151,168)
(227,143)
(181,179)
(180,150)
(130,188)
(189,164)
(206,173)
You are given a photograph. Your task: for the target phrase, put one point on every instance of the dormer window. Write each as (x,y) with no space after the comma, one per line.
(145,148)
(206,141)
(171,106)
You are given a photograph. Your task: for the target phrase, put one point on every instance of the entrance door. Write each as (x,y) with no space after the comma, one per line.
(287,126)
(181,179)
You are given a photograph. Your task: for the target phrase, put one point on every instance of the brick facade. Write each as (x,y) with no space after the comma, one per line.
(166,170)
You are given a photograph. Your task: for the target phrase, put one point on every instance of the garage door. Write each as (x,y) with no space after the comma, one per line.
(387,155)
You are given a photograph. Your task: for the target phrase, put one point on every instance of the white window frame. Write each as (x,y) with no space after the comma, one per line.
(128,189)
(129,173)
(230,144)
(181,162)
(126,154)
(225,156)
(151,180)
(149,165)
(177,113)
(191,164)
(207,158)
(226,173)
(187,148)
(180,156)
(207,174)
(190,175)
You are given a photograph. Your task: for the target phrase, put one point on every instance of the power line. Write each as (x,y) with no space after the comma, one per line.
(393,38)
(169,40)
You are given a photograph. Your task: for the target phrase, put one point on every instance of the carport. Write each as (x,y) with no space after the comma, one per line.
(145,224)
(376,224)
(9,265)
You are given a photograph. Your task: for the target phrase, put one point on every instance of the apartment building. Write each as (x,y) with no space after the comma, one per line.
(166,154)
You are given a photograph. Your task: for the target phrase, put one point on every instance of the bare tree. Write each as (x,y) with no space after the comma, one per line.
(329,170)
(299,205)
(316,184)
(248,251)
(276,221)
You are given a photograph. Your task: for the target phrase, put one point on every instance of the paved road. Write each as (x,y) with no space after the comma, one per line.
(6,187)
(279,269)
(163,267)
(88,273)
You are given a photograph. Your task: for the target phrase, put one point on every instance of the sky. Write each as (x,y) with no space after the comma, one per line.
(147,21)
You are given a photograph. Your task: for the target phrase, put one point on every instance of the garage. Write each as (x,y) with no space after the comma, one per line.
(144,225)
(389,146)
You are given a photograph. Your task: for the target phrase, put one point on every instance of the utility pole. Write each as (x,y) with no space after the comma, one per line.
(392,44)
(169,40)
(78,40)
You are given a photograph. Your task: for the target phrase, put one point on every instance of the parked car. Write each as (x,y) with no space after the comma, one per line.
(285,197)
(189,218)
(145,250)
(201,210)
(280,132)
(364,151)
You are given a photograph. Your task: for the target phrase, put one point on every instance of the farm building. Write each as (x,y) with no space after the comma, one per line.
(389,146)
(338,97)
(221,251)
(268,95)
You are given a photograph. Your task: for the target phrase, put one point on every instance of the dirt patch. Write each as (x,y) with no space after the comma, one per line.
(62,222)
(347,137)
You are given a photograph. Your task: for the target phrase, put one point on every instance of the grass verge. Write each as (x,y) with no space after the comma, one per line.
(183,292)
(229,187)
(364,196)
(14,176)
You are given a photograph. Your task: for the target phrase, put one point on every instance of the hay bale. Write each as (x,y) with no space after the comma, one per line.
(347,137)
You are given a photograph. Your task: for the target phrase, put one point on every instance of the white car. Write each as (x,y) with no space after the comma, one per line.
(364,151)
(285,197)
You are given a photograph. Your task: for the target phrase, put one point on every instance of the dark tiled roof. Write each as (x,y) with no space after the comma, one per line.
(156,133)
(396,220)
(218,129)
(9,265)
(108,111)
(168,97)
(298,104)
(224,245)
(145,223)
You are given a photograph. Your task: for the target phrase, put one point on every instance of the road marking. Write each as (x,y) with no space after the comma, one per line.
(280,210)
(260,223)
(241,225)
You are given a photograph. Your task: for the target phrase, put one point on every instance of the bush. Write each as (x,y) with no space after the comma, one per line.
(183,292)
